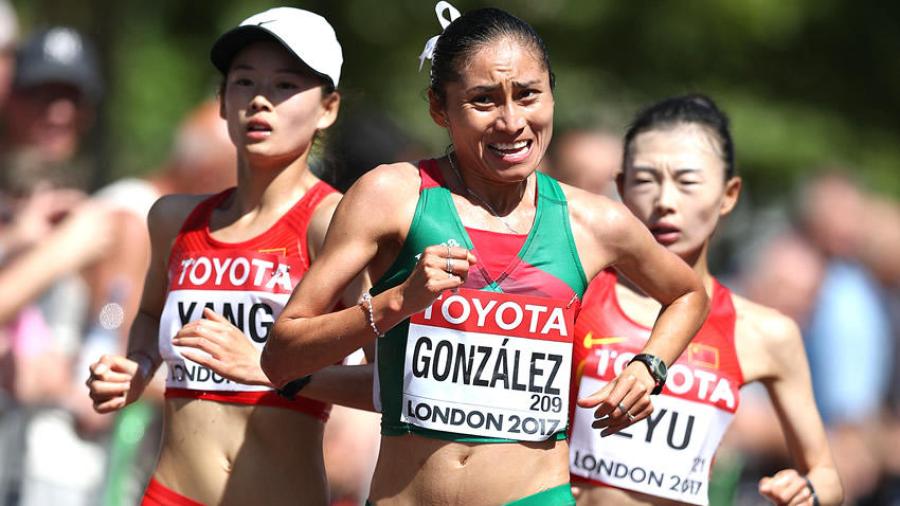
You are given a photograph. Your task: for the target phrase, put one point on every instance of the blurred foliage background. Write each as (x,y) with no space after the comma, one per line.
(808,83)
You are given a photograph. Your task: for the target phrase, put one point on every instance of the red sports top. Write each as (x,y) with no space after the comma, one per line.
(247,282)
(670,453)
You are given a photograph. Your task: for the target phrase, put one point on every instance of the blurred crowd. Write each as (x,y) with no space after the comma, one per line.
(73,257)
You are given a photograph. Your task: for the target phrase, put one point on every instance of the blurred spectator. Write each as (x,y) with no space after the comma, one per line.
(52,447)
(51,108)
(848,338)
(9,31)
(786,276)
(29,274)
(879,254)
(849,325)
(586,159)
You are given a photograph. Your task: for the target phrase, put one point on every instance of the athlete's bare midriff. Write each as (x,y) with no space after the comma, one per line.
(418,470)
(592,495)
(233,454)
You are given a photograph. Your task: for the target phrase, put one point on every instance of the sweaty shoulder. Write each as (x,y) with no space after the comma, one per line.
(389,181)
(766,340)
(167,216)
(385,197)
(601,226)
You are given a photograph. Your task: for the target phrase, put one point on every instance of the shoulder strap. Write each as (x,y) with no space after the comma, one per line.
(199,217)
(314,196)
(722,310)
(558,241)
(430,174)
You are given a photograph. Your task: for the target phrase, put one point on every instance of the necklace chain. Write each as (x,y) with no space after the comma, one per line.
(477,197)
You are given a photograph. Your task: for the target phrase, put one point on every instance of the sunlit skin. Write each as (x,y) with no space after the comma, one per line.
(273,107)
(503,96)
(675,184)
(220,453)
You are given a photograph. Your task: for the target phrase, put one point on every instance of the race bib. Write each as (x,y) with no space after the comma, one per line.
(248,289)
(489,364)
(668,454)
(252,312)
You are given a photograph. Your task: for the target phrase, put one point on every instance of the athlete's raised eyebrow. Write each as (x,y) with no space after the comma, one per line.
(488,88)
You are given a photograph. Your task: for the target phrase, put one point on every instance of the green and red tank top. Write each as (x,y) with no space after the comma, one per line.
(670,453)
(247,282)
(486,362)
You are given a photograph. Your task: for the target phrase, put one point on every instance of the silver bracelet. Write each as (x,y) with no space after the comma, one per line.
(366,302)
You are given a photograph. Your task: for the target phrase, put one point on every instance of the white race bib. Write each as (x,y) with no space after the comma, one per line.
(668,454)
(248,288)
(489,364)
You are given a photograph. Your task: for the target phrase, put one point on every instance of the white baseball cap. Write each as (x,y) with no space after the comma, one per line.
(305,34)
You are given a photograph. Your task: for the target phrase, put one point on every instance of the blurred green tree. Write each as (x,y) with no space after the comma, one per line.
(807,83)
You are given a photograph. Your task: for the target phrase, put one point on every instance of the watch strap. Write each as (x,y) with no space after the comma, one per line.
(291,388)
(649,362)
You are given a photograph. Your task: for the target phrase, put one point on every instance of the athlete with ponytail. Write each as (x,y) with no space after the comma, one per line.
(481,263)
(679,179)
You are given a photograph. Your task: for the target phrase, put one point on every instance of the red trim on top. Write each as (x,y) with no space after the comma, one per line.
(158,494)
(430,173)
(496,249)
(270,398)
(198,219)
(724,313)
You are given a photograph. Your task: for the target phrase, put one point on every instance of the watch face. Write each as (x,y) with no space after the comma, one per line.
(661,369)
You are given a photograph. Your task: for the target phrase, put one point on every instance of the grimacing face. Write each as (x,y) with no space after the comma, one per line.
(499,113)
(273,105)
(675,184)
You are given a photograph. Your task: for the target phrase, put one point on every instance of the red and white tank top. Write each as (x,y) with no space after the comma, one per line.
(247,282)
(670,453)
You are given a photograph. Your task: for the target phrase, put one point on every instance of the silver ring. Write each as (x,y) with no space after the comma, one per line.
(449,268)
(628,415)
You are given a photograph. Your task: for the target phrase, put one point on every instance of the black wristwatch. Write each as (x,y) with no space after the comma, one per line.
(656,367)
(290,389)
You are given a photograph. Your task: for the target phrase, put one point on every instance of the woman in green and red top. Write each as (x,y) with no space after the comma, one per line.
(480,264)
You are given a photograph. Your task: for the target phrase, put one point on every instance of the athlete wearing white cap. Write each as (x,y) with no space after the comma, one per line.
(222,268)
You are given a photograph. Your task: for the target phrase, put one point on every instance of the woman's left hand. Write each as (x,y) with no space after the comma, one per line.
(786,488)
(623,401)
(227,351)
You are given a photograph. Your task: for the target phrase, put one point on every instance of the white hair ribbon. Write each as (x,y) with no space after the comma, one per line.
(439,9)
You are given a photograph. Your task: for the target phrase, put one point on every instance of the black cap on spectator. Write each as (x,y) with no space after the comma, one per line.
(58,55)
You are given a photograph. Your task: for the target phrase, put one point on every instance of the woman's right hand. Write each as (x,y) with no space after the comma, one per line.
(440,268)
(115,382)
